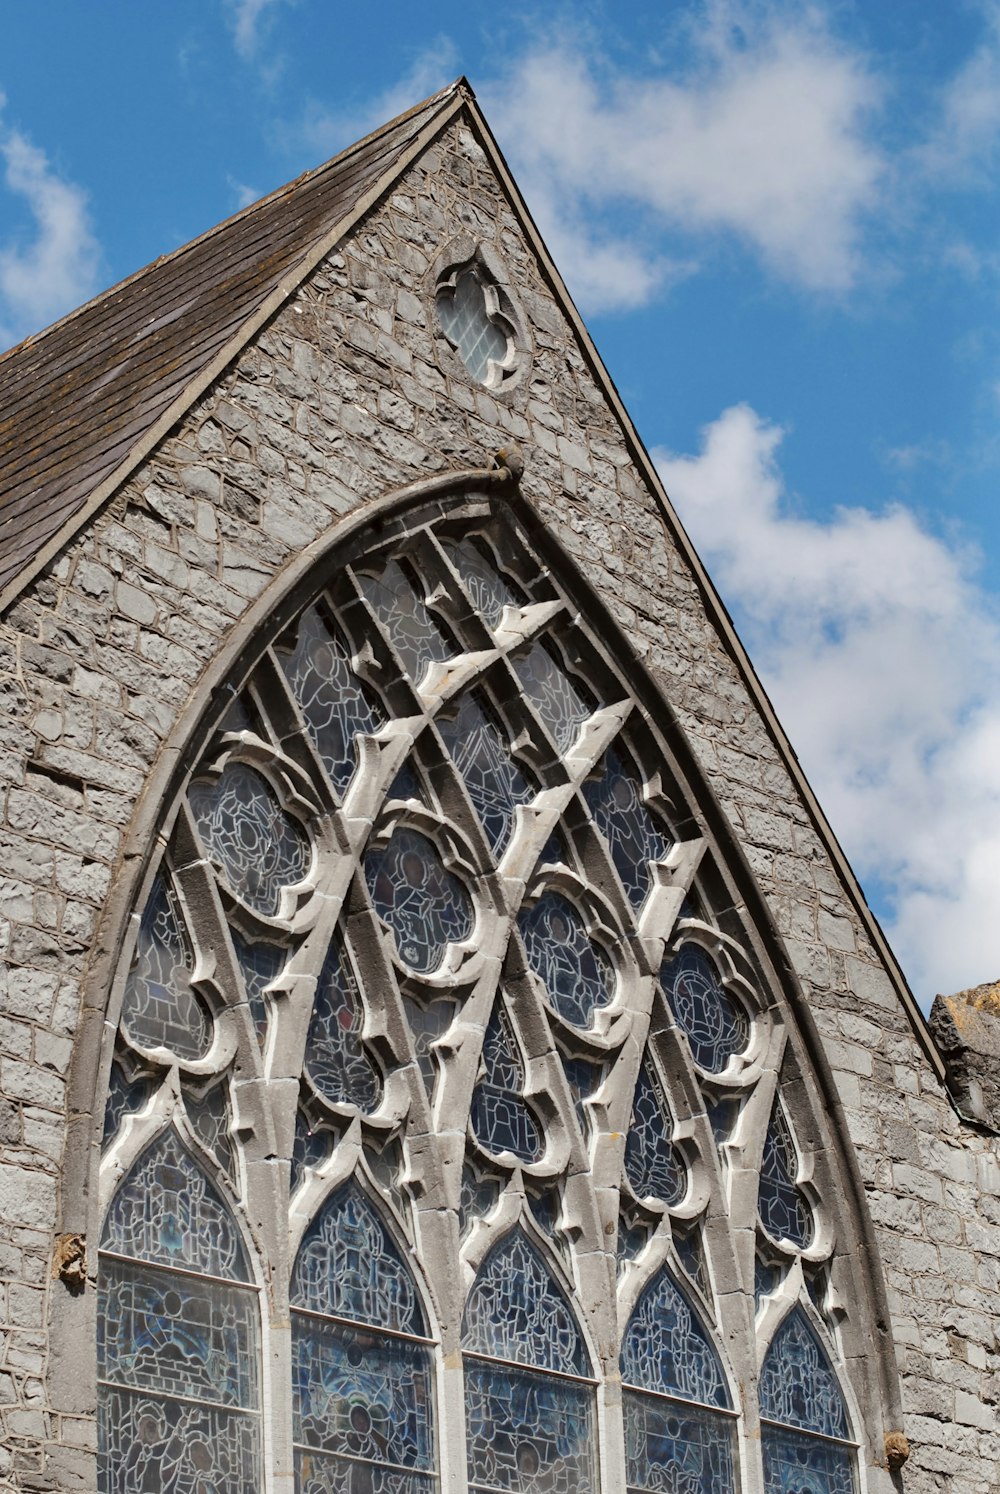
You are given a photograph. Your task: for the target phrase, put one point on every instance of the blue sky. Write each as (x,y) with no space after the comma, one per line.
(781,222)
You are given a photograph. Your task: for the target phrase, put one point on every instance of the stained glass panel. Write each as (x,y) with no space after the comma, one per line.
(797,1385)
(687,1243)
(528,1432)
(326,1473)
(259,964)
(159,1008)
(562,705)
(425,906)
(481,753)
(784,1212)
(168,1212)
(210,1122)
(334,704)
(576,973)
(634,836)
(715,1024)
(427,1024)
(310,1147)
(480,1192)
(516,1311)
(501,1120)
(348,1267)
(666,1348)
(652,1164)
(336,1060)
(490,592)
(123,1099)
(798,1464)
(403,613)
(677,1449)
(466,320)
(150,1443)
(260,848)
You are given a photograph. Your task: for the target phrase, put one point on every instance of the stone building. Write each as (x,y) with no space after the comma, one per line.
(442,1042)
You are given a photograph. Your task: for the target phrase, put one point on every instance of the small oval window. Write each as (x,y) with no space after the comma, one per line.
(478,320)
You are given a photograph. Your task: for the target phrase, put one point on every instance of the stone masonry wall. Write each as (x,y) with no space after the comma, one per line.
(349,393)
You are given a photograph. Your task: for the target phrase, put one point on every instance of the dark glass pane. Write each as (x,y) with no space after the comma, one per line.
(260,848)
(166,1211)
(424,905)
(489,591)
(544,1209)
(427,1024)
(516,1311)
(576,973)
(784,1212)
(633,1237)
(336,1060)
(677,1448)
(333,701)
(722,1117)
(123,1099)
(584,1078)
(687,1243)
(330,1473)
(652,1164)
(466,320)
(714,1023)
(210,1121)
(666,1348)
(405,785)
(795,1463)
(634,837)
(766,1278)
(361,1394)
(403,613)
(148,1444)
(163,1331)
(527,1431)
(310,1147)
(480,1192)
(562,705)
(481,752)
(797,1385)
(259,964)
(348,1267)
(159,1008)
(501,1120)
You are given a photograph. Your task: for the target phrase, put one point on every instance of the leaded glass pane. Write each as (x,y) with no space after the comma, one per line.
(714,1023)
(427,1024)
(309,1147)
(148,1444)
(348,1267)
(667,1349)
(168,1212)
(336,1060)
(466,320)
(784,1212)
(795,1463)
(327,1473)
(159,1008)
(584,1079)
(362,1394)
(516,1311)
(797,1385)
(260,848)
(560,703)
(677,1449)
(124,1097)
(403,613)
(178,1335)
(528,1431)
(210,1122)
(687,1243)
(425,906)
(652,1164)
(634,837)
(501,1120)
(490,592)
(480,1192)
(575,972)
(481,752)
(334,704)
(259,964)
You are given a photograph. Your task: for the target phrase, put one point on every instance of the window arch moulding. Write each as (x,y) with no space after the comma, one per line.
(563,943)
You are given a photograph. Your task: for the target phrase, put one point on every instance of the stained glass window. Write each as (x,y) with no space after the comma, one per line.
(562,705)
(337,1061)
(652,1164)
(495,783)
(784,1212)
(361,1367)
(501,1119)
(159,1008)
(575,972)
(799,1396)
(259,964)
(259,847)
(403,613)
(489,591)
(714,1023)
(533,1427)
(425,906)
(468,324)
(633,835)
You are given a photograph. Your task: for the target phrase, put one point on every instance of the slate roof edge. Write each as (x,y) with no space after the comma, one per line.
(460,93)
(718,612)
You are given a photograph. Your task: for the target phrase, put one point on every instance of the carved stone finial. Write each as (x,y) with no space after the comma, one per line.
(69,1262)
(511,458)
(897,1450)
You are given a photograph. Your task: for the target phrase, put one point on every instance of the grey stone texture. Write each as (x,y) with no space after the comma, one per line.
(349,393)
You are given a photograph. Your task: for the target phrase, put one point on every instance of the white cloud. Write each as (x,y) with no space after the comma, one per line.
(965,132)
(882,656)
(763,138)
(246,18)
(50,269)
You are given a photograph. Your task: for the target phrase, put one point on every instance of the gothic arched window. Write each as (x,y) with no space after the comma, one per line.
(451,1081)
